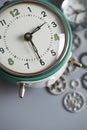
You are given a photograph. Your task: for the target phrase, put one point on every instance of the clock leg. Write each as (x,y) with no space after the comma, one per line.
(22,90)
(74,62)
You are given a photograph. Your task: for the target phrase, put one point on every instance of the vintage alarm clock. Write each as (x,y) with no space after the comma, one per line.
(35,43)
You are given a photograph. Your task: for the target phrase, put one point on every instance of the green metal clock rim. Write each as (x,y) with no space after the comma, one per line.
(41,77)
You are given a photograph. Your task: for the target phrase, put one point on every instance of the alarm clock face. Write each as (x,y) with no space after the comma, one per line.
(33,38)
(75,11)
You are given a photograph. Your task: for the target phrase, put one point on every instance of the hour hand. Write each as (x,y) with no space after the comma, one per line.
(37,28)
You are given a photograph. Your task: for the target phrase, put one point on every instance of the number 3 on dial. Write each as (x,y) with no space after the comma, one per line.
(2,50)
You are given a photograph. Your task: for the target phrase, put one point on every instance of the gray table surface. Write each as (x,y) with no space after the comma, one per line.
(39,110)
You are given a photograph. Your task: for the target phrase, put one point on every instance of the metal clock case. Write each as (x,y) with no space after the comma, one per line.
(35,43)
(75,11)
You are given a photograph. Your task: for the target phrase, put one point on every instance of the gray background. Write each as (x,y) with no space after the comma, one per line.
(39,109)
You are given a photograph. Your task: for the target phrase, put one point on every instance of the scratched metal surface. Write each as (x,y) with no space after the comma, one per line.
(39,109)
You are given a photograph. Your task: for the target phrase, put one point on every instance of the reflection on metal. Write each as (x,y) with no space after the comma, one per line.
(22,90)
(74,101)
(74,62)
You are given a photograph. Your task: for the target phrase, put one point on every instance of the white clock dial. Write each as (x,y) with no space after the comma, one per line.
(75,11)
(32,37)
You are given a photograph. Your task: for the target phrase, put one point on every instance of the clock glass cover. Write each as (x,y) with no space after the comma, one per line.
(33,38)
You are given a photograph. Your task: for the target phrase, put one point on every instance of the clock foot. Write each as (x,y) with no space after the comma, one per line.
(22,90)
(74,62)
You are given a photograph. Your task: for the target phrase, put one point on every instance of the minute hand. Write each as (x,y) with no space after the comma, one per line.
(35,49)
(37,28)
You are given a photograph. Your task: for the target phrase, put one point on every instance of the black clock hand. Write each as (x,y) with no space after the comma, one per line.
(37,28)
(36,51)
(34,48)
(28,37)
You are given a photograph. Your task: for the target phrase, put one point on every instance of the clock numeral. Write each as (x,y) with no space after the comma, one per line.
(14,12)
(10,61)
(3,22)
(27,65)
(44,13)
(2,50)
(29,9)
(53,53)
(0,37)
(54,24)
(56,37)
(42,62)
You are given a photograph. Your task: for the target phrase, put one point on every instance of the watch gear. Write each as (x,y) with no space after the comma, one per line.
(70,69)
(84,80)
(58,87)
(74,101)
(74,84)
(83,59)
(76,42)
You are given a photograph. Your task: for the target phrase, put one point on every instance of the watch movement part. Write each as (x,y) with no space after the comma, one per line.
(74,62)
(74,102)
(84,80)
(83,59)
(75,11)
(76,42)
(74,84)
(70,69)
(58,87)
